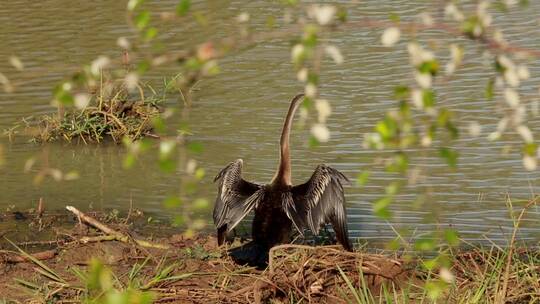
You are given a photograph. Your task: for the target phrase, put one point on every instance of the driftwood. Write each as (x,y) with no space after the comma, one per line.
(111,234)
(43,255)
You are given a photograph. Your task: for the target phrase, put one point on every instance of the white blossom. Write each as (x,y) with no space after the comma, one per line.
(310,90)
(446,275)
(426,19)
(3,79)
(123,42)
(81,100)
(530,163)
(320,132)
(166,147)
(390,36)
(523,72)
(99,64)
(450,68)
(423,79)
(426,141)
(243,17)
(334,53)
(494,136)
(511,77)
(16,63)
(297,52)
(452,11)
(324,14)
(302,75)
(418,55)
(501,126)
(131,80)
(191,166)
(475,129)
(511,2)
(417,98)
(323,109)
(505,62)
(511,97)
(525,133)
(499,37)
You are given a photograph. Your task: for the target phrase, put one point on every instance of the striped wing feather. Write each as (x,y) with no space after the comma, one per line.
(236,198)
(319,201)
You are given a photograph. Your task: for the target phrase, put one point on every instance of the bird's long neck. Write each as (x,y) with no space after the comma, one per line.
(283,174)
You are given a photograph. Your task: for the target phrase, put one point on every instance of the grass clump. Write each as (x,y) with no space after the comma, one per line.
(114,113)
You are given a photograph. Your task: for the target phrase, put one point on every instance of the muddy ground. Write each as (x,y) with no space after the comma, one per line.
(180,269)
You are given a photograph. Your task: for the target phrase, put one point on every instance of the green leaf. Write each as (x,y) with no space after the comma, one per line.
(362,178)
(399,163)
(200,173)
(468,26)
(143,66)
(313,142)
(150,34)
(183,7)
(342,15)
(450,155)
(392,189)
(401,92)
(393,17)
(387,128)
(172,202)
(431,66)
(200,203)
(451,237)
(195,147)
(425,244)
(129,161)
(167,165)
(142,20)
(428,98)
(380,207)
(310,38)
(158,124)
(530,149)
(490,89)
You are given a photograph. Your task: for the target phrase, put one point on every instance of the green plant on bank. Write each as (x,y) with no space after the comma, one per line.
(113,112)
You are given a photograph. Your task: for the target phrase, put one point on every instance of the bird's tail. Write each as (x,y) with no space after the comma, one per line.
(251,254)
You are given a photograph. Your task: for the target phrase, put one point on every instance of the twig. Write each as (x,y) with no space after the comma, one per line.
(112,234)
(502,295)
(43,255)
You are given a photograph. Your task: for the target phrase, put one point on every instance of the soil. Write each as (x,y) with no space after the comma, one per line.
(181,269)
(204,272)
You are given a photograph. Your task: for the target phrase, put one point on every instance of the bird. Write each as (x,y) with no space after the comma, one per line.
(280,206)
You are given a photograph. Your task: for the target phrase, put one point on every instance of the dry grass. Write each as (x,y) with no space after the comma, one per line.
(114,115)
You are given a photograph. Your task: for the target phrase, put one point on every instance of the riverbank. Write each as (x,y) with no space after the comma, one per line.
(73,257)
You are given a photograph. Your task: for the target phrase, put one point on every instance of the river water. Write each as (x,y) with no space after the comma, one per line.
(238,114)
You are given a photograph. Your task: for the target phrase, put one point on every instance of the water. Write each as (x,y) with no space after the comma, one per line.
(239,113)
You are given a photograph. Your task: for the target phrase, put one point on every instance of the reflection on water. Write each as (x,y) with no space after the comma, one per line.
(238,114)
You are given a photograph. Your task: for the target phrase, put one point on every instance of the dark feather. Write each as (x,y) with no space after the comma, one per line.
(236,198)
(319,201)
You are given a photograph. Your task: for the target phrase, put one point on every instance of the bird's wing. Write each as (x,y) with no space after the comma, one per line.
(318,201)
(236,196)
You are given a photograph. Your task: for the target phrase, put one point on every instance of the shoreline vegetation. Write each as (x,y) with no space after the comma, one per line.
(112,113)
(95,257)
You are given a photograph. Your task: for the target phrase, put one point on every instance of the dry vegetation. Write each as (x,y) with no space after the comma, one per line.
(115,115)
(103,254)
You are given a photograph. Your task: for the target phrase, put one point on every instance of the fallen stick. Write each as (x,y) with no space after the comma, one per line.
(111,233)
(43,255)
